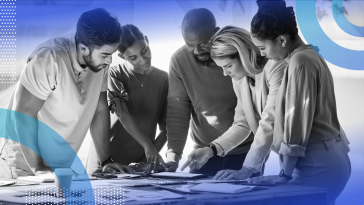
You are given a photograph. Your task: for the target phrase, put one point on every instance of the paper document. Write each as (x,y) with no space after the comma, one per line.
(39,178)
(177,175)
(225,188)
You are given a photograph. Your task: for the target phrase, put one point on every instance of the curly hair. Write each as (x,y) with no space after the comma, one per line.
(235,42)
(274,19)
(131,33)
(97,28)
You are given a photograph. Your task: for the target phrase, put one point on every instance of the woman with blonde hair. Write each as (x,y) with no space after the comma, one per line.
(256,81)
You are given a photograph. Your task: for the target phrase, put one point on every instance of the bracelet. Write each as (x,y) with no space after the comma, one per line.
(213,147)
(108,160)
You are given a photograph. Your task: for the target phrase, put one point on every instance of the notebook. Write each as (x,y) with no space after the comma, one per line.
(225,188)
(178,175)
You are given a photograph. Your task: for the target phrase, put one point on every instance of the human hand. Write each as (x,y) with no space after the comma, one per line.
(197,158)
(116,167)
(269,179)
(171,166)
(227,174)
(154,160)
(44,170)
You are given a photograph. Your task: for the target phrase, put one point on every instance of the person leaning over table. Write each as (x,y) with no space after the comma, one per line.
(307,135)
(256,81)
(64,85)
(141,90)
(200,97)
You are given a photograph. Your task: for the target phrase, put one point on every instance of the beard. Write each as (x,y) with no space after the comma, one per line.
(92,65)
(207,62)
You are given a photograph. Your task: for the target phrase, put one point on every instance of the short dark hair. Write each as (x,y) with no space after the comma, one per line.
(274,19)
(131,33)
(197,20)
(97,28)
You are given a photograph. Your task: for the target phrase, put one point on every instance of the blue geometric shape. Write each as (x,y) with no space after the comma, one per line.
(342,22)
(329,50)
(49,144)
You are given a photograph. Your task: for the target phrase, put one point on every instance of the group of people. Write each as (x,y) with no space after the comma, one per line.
(280,97)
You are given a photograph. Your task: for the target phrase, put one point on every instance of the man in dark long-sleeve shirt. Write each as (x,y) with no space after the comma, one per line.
(200,97)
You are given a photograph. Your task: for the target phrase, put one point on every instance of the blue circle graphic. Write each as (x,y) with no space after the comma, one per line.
(329,50)
(342,22)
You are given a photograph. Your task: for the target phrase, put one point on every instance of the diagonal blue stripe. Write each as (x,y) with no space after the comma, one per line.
(49,146)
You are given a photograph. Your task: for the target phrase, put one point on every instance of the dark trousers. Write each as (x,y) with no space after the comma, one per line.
(216,163)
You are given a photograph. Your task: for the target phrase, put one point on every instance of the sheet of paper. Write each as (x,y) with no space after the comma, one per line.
(222,188)
(175,174)
(212,181)
(140,195)
(39,178)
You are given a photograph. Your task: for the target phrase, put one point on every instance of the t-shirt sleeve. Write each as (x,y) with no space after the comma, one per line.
(116,85)
(40,74)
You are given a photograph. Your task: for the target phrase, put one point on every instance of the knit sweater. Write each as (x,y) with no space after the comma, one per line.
(202,98)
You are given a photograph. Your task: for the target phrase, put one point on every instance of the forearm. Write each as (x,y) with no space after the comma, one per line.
(289,163)
(132,128)
(100,133)
(161,140)
(29,144)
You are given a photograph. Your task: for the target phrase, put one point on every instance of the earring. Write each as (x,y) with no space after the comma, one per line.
(283,44)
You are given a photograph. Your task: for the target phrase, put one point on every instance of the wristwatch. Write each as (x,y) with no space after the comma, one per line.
(282,174)
(213,147)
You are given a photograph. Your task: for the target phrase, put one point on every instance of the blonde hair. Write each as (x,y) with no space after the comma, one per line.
(231,41)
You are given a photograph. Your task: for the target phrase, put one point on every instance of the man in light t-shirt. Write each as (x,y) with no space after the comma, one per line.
(64,85)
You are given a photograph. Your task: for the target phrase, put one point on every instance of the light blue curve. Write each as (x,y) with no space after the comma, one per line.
(343,23)
(49,143)
(329,50)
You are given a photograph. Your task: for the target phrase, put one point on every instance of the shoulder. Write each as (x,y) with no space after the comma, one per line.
(160,76)
(161,73)
(181,54)
(303,62)
(53,49)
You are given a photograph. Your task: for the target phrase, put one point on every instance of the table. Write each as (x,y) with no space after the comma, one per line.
(278,195)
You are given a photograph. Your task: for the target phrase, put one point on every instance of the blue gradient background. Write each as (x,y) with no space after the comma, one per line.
(37,21)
